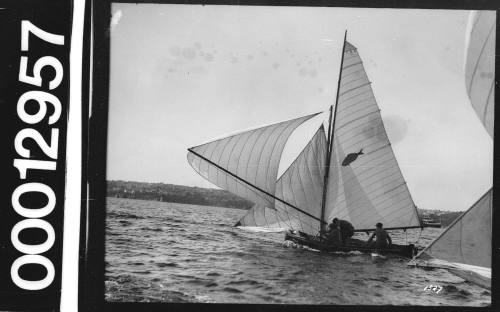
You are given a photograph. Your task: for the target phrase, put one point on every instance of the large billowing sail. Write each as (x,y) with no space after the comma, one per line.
(301,186)
(365,183)
(468,239)
(246,164)
(480,65)
(465,246)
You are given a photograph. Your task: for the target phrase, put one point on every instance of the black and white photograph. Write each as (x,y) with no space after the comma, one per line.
(299,155)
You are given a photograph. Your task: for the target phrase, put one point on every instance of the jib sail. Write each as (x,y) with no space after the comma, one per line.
(300,185)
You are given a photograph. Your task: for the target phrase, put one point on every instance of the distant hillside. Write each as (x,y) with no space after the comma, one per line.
(213,197)
(176,194)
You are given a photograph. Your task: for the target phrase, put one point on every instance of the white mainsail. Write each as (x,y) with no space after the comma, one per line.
(301,186)
(246,164)
(365,184)
(480,65)
(465,246)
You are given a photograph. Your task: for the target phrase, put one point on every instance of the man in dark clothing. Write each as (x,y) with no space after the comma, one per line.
(331,235)
(345,228)
(383,239)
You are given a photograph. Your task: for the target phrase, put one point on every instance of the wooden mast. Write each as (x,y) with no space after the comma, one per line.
(331,126)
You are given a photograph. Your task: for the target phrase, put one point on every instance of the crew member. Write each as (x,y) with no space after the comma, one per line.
(345,228)
(383,240)
(332,234)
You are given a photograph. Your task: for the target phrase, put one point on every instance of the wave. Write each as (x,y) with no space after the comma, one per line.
(122,214)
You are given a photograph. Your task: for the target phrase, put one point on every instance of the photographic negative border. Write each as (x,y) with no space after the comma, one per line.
(33,37)
(91,291)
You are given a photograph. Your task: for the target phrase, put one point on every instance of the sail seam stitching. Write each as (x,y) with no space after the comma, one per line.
(348,113)
(279,160)
(251,153)
(352,144)
(374,182)
(355,88)
(239,157)
(347,181)
(351,121)
(352,97)
(397,165)
(366,194)
(211,153)
(229,160)
(476,63)
(315,156)
(353,72)
(309,169)
(354,64)
(351,81)
(256,128)
(317,184)
(260,154)
(279,199)
(381,212)
(293,193)
(302,184)
(373,174)
(220,156)
(487,100)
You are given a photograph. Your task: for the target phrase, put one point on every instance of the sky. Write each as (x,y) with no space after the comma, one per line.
(182,75)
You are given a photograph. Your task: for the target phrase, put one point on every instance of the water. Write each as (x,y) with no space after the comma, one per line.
(166,252)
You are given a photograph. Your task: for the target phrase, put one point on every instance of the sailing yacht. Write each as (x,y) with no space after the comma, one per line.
(348,171)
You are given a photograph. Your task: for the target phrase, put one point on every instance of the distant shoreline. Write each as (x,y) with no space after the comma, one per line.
(212,197)
(176,194)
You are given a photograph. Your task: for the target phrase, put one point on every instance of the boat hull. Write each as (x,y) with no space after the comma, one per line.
(407,251)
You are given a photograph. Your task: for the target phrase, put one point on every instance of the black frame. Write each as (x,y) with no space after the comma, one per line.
(92,252)
(40,15)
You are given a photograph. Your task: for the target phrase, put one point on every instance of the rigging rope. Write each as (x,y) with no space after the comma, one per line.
(418,238)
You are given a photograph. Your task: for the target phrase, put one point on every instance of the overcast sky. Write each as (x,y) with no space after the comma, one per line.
(182,75)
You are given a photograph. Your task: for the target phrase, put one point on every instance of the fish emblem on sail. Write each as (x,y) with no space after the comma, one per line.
(351,157)
(368,187)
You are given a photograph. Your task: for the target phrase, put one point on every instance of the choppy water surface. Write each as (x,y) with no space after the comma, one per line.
(166,252)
